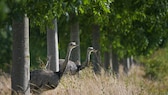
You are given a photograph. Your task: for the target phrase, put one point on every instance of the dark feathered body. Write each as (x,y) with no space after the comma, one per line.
(41,80)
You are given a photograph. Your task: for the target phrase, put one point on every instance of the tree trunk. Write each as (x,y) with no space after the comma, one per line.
(126,65)
(115,64)
(52,47)
(96,45)
(21,57)
(106,60)
(131,61)
(75,36)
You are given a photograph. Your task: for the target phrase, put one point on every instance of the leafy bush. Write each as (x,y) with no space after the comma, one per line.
(156,64)
(156,69)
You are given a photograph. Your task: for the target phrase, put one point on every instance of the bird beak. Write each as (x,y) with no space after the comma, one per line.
(95,50)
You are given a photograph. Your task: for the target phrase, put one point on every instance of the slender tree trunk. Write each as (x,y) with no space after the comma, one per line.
(75,36)
(115,64)
(52,47)
(126,65)
(106,60)
(21,57)
(96,45)
(131,61)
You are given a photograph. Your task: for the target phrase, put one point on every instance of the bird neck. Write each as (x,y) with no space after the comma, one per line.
(66,59)
(87,58)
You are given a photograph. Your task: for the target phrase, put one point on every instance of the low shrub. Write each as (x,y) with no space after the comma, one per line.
(155,69)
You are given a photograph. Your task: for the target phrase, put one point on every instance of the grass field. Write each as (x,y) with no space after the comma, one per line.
(87,83)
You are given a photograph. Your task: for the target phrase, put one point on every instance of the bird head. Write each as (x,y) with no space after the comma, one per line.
(91,49)
(72,45)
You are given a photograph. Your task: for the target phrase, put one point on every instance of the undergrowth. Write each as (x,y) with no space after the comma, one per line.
(156,65)
(87,83)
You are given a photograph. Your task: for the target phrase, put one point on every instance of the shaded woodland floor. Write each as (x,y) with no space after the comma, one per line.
(87,83)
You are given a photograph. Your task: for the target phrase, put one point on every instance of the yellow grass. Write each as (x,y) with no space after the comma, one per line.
(5,84)
(87,83)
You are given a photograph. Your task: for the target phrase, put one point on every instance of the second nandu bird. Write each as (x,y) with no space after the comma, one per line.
(42,79)
(73,67)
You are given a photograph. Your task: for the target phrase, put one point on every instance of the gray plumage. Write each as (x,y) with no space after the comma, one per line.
(71,67)
(42,79)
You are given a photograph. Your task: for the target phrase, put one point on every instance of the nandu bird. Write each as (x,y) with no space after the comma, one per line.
(73,67)
(42,79)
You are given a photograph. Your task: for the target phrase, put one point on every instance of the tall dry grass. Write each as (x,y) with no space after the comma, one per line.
(5,83)
(87,83)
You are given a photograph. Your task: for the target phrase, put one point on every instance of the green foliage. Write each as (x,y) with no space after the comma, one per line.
(156,65)
(43,12)
(95,11)
(3,10)
(132,27)
(156,69)
(137,27)
(6,49)
(38,47)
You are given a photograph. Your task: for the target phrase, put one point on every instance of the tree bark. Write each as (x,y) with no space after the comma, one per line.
(20,74)
(126,65)
(106,60)
(96,45)
(115,64)
(131,61)
(52,47)
(75,36)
